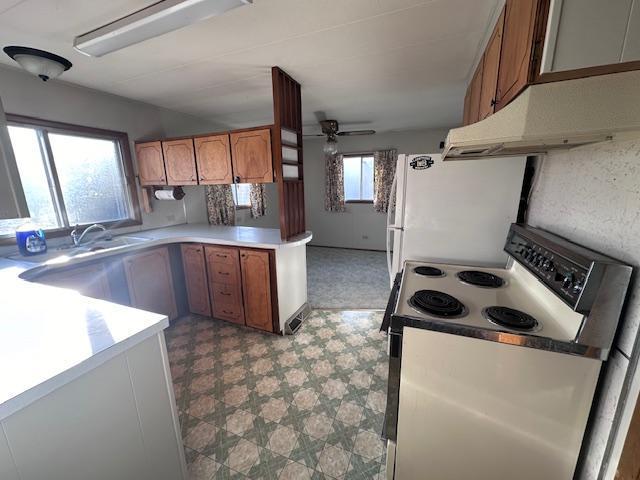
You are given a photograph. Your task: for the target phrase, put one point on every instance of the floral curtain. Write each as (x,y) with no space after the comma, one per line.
(220,207)
(257,198)
(334,183)
(384,167)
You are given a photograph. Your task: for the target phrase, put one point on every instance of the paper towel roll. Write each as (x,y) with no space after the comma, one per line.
(175,193)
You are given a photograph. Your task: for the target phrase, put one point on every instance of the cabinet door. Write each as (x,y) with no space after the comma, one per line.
(474,93)
(195,275)
(490,70)
(256,288)
(89,280)
(251,156)
(180,162)
(223,269)
(150,164)
(213,157)
(467,106)
(150,282)
(517,46)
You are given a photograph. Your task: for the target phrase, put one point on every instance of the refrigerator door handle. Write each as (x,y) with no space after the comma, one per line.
(392,194)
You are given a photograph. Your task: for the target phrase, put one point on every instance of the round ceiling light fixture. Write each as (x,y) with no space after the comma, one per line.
(331,145)
(43,64)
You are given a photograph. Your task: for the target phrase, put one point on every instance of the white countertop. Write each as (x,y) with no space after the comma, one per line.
(50,336)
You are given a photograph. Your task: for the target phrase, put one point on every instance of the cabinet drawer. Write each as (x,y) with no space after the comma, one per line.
(221,255)
(224,273)
(225,294)
(233,313)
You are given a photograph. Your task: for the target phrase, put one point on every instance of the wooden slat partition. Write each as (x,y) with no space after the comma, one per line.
(287,113)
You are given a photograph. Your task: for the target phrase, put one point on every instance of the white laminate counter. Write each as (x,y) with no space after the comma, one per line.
(49,336)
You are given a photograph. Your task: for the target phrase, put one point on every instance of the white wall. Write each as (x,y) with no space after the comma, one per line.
(25,94)
(360,226)
(590,195)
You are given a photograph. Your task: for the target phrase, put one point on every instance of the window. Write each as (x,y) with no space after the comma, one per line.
(241,194)
(358,178)
(72,175)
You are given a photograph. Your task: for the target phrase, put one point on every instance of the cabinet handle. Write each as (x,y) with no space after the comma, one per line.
(223,273)
(243,255)
(236,179)
(493,102)
(227,312)
(220,255)
(225,294)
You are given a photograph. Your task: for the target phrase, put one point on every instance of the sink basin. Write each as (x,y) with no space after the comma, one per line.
(63,253)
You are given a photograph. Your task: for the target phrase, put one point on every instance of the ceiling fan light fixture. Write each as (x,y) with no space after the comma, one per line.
(331,146)
(40,63)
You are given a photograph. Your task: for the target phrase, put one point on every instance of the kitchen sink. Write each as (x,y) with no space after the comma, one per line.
(62,253)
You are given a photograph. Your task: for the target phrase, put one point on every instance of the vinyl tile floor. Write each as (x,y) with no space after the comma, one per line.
(346,278)
(260,406)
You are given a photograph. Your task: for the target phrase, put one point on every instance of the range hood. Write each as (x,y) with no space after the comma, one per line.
(551,116)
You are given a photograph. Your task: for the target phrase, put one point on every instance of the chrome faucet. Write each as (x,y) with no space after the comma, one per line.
(77,237)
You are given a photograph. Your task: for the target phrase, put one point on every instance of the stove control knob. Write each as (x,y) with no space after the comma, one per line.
(577,288)
(568,280)
(548,265)
(541,261)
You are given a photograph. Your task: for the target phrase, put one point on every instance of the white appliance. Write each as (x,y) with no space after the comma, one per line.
(438,204)
(492,371)
(553,115)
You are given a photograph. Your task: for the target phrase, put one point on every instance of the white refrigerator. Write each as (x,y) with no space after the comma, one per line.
(454,212)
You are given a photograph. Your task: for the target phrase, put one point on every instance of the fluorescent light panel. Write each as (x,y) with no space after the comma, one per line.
(157,19)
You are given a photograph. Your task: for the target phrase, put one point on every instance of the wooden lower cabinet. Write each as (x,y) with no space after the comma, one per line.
(150,281)
(225,290)
(256,288)
(195,275)
(89,280)
(240,285)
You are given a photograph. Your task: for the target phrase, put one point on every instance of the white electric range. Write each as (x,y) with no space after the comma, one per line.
(492,371)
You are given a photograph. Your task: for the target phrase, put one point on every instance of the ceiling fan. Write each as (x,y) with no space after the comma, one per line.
(331,129)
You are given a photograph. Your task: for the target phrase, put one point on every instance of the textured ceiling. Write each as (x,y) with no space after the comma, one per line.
(382,64)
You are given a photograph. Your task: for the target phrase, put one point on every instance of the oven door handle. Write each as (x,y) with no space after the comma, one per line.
(391,304)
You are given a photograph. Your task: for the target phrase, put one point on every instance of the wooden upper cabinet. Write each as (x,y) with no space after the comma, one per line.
(195,275)
(89,280)
(474,93)
(150,164)
(213,157)
(251,156)
(467,106)
(256,288)
(515,67)
(490,71)
(180,162)
(150,281)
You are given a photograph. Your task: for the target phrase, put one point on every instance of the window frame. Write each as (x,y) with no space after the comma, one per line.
(235,197)
(360,155)
(122,140)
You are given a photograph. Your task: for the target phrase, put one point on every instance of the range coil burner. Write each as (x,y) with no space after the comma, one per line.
(511,318)
(480,279)
(438,304)
(429,271)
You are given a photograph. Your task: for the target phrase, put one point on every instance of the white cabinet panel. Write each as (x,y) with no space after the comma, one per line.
(589,33)
(631,50)
(87,429)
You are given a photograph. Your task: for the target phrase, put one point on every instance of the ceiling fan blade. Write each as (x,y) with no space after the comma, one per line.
(356,132)
(314,135)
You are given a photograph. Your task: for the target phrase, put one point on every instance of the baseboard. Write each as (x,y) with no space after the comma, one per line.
(347,248)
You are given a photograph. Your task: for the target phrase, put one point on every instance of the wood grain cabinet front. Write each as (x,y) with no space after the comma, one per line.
(213,157)
(150,164)
(150,281)
(180,162)
(195,274)
(490,65)
(223,268)
(256,288)
(515,69)
(251,156)
(89,280)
